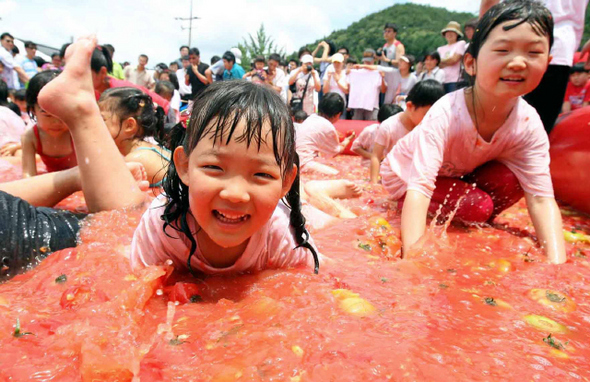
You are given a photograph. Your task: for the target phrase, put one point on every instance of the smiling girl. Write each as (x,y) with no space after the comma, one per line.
(222,210)
(481,149)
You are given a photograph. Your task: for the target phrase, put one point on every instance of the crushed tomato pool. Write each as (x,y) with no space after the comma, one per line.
(479,304)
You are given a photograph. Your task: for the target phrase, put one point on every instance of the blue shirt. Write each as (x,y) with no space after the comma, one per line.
(236,73)
(29,66)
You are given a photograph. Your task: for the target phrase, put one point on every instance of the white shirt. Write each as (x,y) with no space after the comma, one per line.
(183,88)
(8,74)
(334,88)
(365,86)
(436,74)
(568,16)
(393,80)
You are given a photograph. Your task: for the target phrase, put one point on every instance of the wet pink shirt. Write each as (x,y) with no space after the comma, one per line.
(390,131)
(315,136)
(366,140)
(271,247)
(447,143)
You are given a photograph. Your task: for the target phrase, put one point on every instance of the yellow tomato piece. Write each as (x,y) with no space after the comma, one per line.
(571,237)
(297,350)
(504,266)
(558,354)
(380,222)
(3,301)
(545,324)
(552,299)
(343,293)
(357,306)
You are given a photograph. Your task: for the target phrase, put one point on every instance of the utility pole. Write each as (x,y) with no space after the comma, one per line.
(190,23)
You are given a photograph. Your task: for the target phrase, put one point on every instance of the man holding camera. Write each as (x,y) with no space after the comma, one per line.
(393,49)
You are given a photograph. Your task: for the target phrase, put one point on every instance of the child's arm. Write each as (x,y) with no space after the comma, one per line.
(413,222)
(345,142)
(376,158)
(546,218)
(29,161)
(155,166)
(567,107)
(362,152)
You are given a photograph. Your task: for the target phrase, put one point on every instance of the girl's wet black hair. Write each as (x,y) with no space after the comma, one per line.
(126,102)
(216,114)
(520,11)
(37,83)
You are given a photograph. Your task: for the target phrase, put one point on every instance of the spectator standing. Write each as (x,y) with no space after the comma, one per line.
(184,89)
(276,77)
(117,68)
(306,81)
(451,55)
(233,70)
(183,53)
(27,62)
(195,73)
(9,63)
(431,70)
(335,78)
(174,66)
(393,49)
(365,87)
(138,75)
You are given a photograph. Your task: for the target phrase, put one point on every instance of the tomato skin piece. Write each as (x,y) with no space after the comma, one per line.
(183,292)
(79,294)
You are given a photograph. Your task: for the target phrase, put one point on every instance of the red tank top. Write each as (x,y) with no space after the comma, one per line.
(54,164)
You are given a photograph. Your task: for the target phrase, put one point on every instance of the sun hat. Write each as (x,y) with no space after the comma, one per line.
(238,54)
(307,59)
(338,57)
(453,26)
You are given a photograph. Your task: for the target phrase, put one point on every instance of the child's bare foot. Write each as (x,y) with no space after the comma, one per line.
(71,95)
(340,189)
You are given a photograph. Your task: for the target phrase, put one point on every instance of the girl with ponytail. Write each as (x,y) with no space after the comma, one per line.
(137,129)
(231,201)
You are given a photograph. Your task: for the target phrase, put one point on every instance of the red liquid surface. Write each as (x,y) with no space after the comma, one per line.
(430,317)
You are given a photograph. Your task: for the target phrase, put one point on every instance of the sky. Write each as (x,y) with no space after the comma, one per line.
(149,27)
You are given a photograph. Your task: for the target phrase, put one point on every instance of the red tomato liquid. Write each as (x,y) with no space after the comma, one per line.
(456,311)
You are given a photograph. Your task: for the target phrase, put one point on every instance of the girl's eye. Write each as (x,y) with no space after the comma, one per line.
(212,167)
(501,50)
(264,175)
(536,52)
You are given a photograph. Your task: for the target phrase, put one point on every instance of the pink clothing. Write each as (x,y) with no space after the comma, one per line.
(314,136)
(365,86)
(11,126)
(447,144)
(390,131)
(271,247)
(452,72)
(366,140)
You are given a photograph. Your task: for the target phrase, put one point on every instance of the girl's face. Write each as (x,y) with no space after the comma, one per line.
(451,37)
(510,63)
(259,65)
(429,63)
(164,77)
(234,189)
(48,123)
(403,66)
(114,124)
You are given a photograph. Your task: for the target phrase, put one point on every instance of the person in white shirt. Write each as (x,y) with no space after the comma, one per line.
(184,89)
(431,71)
(276,77)
(10,65)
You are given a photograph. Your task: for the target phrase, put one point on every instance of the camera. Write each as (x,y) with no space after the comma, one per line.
(309,68)
(379,52)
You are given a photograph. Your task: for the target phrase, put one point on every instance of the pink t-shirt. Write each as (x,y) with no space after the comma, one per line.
(365,86)
(452,72)
(390,131)
(366,140)
(11,126)
(271,247)
(314,136)
(446,143)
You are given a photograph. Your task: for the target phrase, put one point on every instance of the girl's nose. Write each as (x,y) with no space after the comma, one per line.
(517,63)
(235,191)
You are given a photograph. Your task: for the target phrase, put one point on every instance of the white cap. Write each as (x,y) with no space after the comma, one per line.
(338,57)
(307,59)
(238,54)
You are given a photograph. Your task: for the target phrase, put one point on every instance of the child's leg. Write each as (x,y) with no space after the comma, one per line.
(106,181)
(499,182)
(320,194)
(321,168)
(472,205)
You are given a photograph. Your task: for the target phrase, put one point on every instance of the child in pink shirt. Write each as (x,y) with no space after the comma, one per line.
(222,211)
(363,144)
(422,96)
(485,134)
(317,135)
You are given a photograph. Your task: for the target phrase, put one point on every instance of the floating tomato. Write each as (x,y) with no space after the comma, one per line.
(184,292)
(552,299)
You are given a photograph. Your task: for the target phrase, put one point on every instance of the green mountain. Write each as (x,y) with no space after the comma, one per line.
(419,29)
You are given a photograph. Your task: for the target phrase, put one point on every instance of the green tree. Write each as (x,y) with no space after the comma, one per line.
(262,44)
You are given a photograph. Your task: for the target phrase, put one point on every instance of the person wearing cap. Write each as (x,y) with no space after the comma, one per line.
(233,70)
(451,55)
(393,48)
(306,80)
(335,78)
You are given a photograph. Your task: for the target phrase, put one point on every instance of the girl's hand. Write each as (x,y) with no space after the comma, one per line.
(9,149)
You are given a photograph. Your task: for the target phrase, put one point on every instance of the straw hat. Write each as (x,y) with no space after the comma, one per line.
(453,26)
